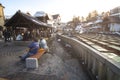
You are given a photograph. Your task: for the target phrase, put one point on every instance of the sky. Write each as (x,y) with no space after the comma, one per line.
(66,8)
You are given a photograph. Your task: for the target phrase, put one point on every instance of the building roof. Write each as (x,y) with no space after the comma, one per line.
(20,19)
(40,14)
(2,5)
(55,16)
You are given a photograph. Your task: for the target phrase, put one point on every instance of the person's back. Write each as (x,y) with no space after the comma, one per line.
(43,44)
(34,46)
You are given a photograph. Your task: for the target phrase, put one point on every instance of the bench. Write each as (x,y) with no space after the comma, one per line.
(32,61)
(38,54)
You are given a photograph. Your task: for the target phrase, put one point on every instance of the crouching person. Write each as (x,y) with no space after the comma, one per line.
(43,44)
(32,49)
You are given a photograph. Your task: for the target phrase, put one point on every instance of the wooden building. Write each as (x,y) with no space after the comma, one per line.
(21,22)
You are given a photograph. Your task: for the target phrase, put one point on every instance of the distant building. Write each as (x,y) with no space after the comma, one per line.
(114,19)
(56,19)
(79,29)
(52,20)
(57,22)
(93,25)
(42,16)
(115,12)
(1,17)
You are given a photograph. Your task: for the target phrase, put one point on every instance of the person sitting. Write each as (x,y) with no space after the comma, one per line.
(19,37)
(32,49)
(43,44)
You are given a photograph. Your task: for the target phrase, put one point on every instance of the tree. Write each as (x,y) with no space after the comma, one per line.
(92,15)
(88,17)
(76,20)
(95,13)
(106,20)
(82,19)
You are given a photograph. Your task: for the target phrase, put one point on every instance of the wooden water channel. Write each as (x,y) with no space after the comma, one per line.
(104,43)
(99,53)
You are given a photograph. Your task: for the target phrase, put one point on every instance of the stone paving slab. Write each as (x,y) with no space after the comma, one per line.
(32,76)
(56,65)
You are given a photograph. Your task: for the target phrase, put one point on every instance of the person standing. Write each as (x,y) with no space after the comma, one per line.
(5,34)
(9,36)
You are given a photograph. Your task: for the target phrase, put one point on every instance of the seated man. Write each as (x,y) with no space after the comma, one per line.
(32,49)
(43,44)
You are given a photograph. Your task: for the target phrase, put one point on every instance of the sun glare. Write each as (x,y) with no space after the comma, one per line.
(66,8)
(83,7)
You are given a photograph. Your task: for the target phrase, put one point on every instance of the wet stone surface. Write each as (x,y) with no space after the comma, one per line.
(58,64)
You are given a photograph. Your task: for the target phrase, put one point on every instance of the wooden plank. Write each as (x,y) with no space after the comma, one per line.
(99,48)
(115,43)
(114,47)
(112,56)
(38,54)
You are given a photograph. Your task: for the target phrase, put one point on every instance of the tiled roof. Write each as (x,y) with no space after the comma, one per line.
(24,20)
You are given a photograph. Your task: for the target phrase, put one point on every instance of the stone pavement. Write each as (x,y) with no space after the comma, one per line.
(56,65)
